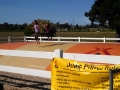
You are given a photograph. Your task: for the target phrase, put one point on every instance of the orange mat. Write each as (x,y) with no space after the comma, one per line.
(12,46)
(94,48)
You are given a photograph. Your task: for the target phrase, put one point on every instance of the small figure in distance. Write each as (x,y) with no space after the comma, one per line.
(47,28)
(37,31)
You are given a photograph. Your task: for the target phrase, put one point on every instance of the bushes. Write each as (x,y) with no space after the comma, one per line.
(28,31)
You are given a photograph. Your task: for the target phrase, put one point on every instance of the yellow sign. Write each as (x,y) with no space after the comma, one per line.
(74,75)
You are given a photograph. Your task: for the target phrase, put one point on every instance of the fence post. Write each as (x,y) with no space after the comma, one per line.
(8,38)
(24,38)
(79,39)
(110,80)
(104,39)
(40,39)
(59,39)
(58,53)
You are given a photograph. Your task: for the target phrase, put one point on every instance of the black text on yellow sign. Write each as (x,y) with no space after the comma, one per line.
(74,75)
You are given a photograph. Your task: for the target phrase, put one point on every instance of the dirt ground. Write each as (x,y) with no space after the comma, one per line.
(13,81)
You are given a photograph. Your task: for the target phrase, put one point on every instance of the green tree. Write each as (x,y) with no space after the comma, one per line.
(106,12)
(76,27)
(28,31)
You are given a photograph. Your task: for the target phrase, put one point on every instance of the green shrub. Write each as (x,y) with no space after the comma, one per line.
(28,31)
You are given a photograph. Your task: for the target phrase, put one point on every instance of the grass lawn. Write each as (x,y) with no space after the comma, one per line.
(62,34)
(87,34)
(12,34)
(65,34)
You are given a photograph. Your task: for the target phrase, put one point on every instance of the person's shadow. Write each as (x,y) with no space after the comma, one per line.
(53,44)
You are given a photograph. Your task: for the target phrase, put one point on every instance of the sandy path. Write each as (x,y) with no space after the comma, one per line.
(13,81)
(34,63)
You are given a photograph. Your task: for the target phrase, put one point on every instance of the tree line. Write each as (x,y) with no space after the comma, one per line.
(65,27)
(6,27)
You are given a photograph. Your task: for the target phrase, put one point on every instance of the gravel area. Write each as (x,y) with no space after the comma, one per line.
(13,81)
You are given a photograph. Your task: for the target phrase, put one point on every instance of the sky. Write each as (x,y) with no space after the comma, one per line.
(25,11)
